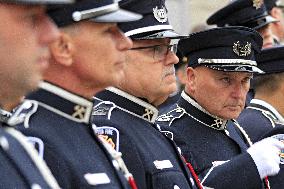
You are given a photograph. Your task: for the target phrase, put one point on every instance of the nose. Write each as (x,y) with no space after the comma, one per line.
(238,91)
(48,31)
(171,58)
(123,43)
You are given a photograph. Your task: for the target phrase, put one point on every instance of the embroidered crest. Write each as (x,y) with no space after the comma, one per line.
(242,50)
(280,137)
(160,14)
(171,115)
(165,118)
(79,112)
(100,111)
(110,135)
(104,108)
(257,3)
(148,114)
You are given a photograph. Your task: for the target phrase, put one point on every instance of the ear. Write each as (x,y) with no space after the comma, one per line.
(62,50)
(190,79)
(277,14)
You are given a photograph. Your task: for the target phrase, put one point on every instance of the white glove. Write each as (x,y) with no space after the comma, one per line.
(265,155)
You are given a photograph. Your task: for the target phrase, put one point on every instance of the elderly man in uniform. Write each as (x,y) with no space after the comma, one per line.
(248,13)
(275,9)
(218,77)
(125,114)
(266,109)
(88,56)
(25,33)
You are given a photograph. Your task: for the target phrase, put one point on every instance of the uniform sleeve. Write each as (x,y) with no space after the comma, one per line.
(241,170)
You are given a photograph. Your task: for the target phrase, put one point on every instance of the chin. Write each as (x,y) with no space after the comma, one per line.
(172,88)
(31,86)
(230,116)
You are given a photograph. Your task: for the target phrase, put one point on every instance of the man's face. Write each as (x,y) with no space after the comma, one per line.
(278,27)
(25,33)
(267,35)
(221,93)
(100,48)
(150,71)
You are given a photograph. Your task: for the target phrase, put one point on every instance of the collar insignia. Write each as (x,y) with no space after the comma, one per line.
(219,124)
(257,3)
(242,50)
(148,114)
(160,14)
(79,112)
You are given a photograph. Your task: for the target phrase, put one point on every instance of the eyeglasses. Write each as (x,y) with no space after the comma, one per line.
(160,51)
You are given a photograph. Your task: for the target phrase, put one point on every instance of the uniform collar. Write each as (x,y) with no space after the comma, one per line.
(62,102)
(257,103)
(129,104)
(195,111)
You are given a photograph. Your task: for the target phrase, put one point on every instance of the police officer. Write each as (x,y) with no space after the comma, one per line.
(275,8)
(265,111)
(248,13)
(25,32)
(58,115)
(218,77)
(125,114)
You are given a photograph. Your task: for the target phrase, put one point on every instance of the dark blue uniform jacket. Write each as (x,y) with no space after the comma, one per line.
(152,158)
(20,165)
(216,149)
(258,119)
(60,121)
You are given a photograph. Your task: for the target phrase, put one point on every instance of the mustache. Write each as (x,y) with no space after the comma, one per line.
(169,71)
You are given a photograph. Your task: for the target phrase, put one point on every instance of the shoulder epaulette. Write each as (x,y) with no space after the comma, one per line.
(272,119)
(170,116)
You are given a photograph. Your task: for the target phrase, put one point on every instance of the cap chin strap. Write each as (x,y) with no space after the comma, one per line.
(226,61)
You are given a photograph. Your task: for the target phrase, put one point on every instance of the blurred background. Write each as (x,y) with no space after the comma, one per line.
(186,15)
